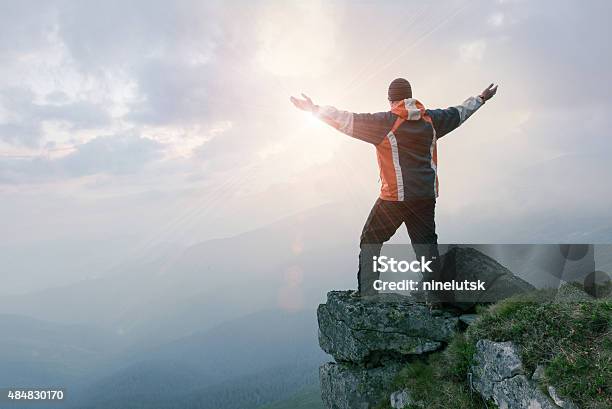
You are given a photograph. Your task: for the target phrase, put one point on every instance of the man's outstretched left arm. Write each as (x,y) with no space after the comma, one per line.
(446,120)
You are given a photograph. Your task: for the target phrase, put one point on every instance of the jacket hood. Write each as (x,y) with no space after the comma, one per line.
(409,109)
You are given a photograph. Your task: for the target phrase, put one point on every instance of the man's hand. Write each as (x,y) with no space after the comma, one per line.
(488,93)
(305,104)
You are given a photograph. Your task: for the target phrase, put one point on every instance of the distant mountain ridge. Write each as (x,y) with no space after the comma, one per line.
(213,273)
(244,363)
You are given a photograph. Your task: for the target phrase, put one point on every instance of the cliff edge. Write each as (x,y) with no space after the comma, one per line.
(391,351)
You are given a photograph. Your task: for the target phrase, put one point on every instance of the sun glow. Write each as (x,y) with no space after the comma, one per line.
(312,122)
(296,40)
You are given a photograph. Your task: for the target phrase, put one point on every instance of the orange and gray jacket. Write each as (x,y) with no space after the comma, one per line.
(405,138)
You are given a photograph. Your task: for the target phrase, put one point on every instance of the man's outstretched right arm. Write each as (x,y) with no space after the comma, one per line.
(365,127)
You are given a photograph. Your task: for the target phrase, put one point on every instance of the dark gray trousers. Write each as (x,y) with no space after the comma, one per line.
(385,218)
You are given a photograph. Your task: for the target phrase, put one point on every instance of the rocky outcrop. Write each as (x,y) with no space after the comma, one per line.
(370,329)
(370,338)
(498,374)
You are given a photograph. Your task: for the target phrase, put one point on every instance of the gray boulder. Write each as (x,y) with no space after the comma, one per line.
(368,330)
(498,374)
(494,362)
(464,263)
(350,386)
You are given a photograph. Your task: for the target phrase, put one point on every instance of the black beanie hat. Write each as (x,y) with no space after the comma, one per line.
(399,89)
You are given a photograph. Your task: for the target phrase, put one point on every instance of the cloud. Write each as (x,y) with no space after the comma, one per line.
(496,19)
(548,54)
(102,35)
(24,118)
(24,27)
(172,93)
(154,68)
(17,127)
(110,154)
(156,77)
(118,154)
(474,51)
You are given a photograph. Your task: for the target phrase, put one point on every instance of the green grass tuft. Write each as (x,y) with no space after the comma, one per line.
(573,340)
(440,380)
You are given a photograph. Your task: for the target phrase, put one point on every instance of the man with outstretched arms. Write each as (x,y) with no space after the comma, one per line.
(405,138)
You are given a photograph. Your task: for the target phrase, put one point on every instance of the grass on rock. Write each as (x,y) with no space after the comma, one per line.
(572,340)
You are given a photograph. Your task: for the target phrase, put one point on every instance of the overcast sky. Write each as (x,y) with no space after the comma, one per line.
(169,121)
